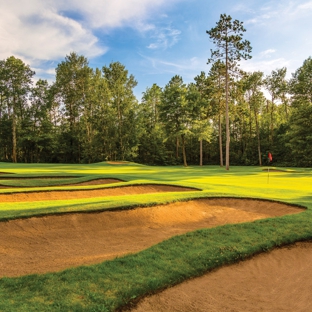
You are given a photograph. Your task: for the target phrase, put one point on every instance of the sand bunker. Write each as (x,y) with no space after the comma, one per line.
(280,280)
(52,243)
(117,191)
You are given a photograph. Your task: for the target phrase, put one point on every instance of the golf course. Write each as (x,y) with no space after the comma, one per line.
(120,236)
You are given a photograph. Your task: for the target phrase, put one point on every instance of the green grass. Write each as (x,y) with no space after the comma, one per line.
(113,284)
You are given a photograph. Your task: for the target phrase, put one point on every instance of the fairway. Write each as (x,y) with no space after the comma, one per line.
(122,230)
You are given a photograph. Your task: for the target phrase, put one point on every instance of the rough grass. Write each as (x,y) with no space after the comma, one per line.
(114,284)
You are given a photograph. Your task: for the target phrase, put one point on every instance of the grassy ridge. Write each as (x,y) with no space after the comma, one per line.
(113,284)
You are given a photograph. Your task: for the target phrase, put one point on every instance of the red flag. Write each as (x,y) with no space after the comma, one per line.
(270,157)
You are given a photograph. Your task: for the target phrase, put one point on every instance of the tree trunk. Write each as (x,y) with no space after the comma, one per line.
(120,139)
(220,142)
(271,123)
(14,157)
(258,139)
(200,152)
(227,120)
(183,151)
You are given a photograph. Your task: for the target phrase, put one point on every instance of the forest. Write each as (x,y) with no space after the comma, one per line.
(90,115)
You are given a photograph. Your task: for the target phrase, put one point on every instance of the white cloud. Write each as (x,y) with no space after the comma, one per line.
(265,66)
(36,30)
(285,27)
(104,14)
(50,71)
(188,68)
(101,14)
(242,8)
(152,46)
(40,32)
(267,53)
(282,13)
(306,6)
(165,37)
(262,19)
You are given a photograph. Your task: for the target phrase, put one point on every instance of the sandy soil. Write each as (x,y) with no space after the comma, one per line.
(52,243)
(277,281)
(116,191)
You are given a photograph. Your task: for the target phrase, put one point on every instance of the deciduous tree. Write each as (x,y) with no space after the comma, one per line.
(15,85)
(174,113)
(72,83)
(124,103)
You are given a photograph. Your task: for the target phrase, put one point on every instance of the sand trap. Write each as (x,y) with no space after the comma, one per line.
(116,191)
(91,182)
(280,280)
(52,243)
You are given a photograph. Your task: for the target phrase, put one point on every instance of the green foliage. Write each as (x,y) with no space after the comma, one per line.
(301,83)
(152,147)
(300,135)
(71,87)
(89,115)
(227,36)
(175,113)
(15,84)
(124,106)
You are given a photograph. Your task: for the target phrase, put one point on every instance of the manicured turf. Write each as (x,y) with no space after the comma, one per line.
(113,284)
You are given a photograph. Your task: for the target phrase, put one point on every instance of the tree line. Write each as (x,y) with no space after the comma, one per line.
(89,115)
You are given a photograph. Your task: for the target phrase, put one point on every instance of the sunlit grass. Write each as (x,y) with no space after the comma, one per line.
(112,284)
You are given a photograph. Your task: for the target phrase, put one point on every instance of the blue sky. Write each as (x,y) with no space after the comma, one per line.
(154,39)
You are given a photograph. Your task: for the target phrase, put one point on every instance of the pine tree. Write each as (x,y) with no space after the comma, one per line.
(227,36)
